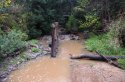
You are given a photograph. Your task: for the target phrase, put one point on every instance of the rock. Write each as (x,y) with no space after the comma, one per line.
(62,37)
(40,46)
(74,37)
(11,68)
(47,49)
(47,38)
(65,37)
(69,37)
(4,80)
(45,52)
(33,56)
(4,75)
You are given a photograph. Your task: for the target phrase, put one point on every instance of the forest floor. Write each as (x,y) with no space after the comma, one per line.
(64,69)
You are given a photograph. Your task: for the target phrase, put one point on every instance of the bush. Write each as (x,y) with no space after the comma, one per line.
(109,43)
(11,41)
(116,32)
(34,33)
(72,24)
(91,24)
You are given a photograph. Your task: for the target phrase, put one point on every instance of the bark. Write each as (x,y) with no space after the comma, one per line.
(54,47)
(97,57)
(109,59)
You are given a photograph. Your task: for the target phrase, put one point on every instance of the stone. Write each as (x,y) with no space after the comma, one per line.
(4,80)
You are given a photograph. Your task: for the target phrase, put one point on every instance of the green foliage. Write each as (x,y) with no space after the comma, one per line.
(102,45)
(33,32)
(33,42)
(122,63)
(9,21)
(23,57)
(35,50)
(82,19)
(93,15)
(92,23)
(79,13)
(109,43)
(11,41)
(13,18)
(116,29)
(5,3)
(72,24)
(13,26)
(43,13)
(83,3)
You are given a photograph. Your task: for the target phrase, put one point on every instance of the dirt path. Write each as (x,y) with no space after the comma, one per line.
(63,69)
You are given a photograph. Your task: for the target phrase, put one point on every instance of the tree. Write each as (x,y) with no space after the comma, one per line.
(43,13)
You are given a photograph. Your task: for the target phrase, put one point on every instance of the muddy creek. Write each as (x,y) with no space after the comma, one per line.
(63,69)
(46,69)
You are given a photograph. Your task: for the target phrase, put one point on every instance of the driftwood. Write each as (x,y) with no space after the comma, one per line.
(111,62)
(97,57)
(109,59)
(94,57)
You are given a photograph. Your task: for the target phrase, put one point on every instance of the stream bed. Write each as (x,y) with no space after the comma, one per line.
(63,69)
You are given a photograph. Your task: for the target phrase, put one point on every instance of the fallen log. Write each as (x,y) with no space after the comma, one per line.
(112,60)
(97,57)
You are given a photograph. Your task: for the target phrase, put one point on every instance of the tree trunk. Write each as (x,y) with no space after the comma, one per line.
(54,47)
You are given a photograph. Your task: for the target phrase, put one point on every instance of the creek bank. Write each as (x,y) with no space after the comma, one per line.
(12,63)
(33,51)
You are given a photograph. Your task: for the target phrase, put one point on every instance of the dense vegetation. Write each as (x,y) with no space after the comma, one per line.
(102,20)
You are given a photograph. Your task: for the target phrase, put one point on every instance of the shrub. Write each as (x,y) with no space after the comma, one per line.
(72,24)
(116,32)
(11,41)
(34,33)
(91,24)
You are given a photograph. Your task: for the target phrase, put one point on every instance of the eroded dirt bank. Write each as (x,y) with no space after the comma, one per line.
(63,69)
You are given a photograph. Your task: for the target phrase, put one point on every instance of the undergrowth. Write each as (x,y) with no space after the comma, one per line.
(102,45)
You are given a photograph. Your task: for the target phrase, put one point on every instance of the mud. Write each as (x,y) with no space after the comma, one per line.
(63,69)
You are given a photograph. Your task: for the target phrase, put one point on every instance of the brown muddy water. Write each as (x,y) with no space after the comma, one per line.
(63,69)
(48,69)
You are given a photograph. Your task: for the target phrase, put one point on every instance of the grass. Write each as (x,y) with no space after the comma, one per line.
(33,42)
(121,62)
(12,61)
(35,50)
(23,57)
(102,45)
